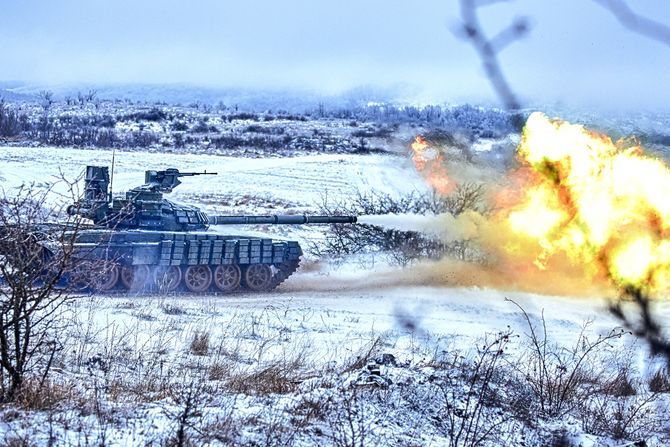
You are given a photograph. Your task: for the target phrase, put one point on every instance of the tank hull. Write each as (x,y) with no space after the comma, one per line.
(141,260)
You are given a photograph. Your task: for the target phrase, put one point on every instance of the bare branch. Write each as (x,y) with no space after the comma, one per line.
(488,49)
(647,328)
(637,23)
(509,35)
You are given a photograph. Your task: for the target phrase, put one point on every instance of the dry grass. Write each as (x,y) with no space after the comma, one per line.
(205,379)
(620,386)
(218,371)
(200,343)
(660,382)
(40,395)
(365,354)
(279,377)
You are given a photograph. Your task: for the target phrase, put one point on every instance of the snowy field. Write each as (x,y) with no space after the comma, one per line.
(328,321)
(297,180)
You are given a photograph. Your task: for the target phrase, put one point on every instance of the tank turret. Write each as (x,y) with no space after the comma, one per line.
(144,207)
(141,241)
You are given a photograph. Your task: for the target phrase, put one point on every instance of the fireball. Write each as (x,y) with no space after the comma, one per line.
(603,205)
(428,161)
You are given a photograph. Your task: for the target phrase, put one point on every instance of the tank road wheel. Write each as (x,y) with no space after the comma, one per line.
(227,277)
(134,277)
(105,277)
(168,278)
(79,276)
(198,278)
(258,277)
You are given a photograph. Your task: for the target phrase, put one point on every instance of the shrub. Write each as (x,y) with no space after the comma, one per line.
(370,132)
(105,121)
(107,138)
(620,418)
(270,130)
(200,343)
(155,114)
(179,126)
(32,301)
(242,116)
(141,139)
(203,127)
(561,378)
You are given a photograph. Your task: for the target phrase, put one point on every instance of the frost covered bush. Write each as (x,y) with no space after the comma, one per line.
(464,397)
(154,114)
(32,264)
(402,247)
(81,123)
(622,417)
(560,378)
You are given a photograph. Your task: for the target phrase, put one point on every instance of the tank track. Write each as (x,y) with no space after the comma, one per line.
(180,263)
(285,270)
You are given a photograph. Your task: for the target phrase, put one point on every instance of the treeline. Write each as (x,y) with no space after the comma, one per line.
(467,119)
(115,125)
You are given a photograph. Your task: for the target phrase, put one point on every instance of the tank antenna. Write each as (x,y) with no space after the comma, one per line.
(111,181)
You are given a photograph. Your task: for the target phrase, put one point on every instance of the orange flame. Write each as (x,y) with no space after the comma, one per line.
(604,207)
(429,162)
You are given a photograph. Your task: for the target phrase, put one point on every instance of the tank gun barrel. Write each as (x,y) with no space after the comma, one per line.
(280,219)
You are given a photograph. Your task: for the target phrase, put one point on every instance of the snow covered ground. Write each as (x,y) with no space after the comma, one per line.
(322,320)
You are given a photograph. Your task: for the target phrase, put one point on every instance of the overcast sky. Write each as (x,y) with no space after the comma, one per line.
(576,52)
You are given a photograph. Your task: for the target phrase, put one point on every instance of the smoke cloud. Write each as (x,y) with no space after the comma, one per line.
(446,227)
(511,261)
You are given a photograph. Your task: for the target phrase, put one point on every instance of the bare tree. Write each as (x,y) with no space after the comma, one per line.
(35,256)
(402,247)
(46,99)
(91,95)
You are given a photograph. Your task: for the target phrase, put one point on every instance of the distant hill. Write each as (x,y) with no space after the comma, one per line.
(11,91)
(293,101)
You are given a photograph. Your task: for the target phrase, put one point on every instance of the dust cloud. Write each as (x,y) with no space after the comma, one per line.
(449,272)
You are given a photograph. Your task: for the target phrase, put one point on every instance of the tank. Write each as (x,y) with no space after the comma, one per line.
(140,241)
